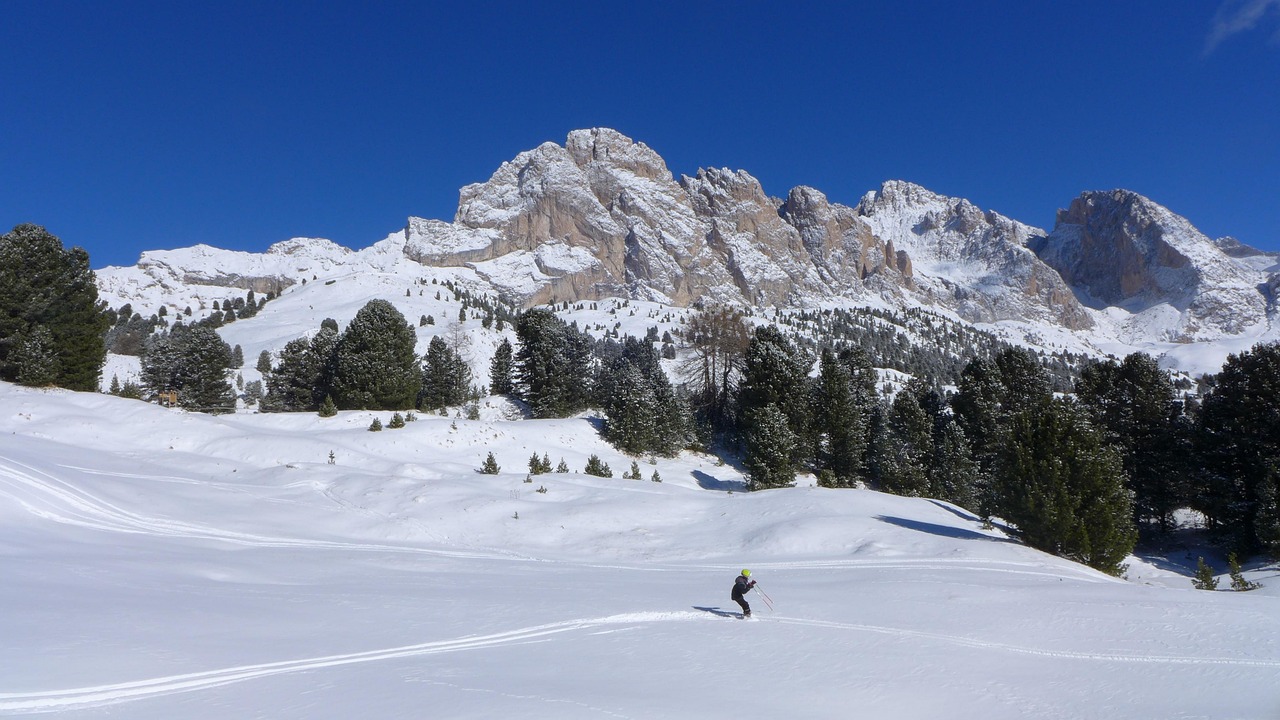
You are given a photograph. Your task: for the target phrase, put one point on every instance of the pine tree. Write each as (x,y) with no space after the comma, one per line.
(905,444)
(1063,486)
(500,369)
(397,421)
(563,467)
(840,423)
(1134,403)
(193,361)
(376,365)
(597,467)
(264,362)
(769,448)
(490,466)
(1241,450)
(952,469)
(1204,578)
(44,285)
(776,373)
(328,408)
(1238,581)
(375,426)
(445,377)
(35,359)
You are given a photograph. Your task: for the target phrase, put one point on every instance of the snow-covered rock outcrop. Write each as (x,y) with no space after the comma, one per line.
(1120,250)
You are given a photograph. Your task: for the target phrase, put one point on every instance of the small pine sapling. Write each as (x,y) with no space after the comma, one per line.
(656,477)
(563,467)
(397,421)
(490,466)
(328,408)
(1238,581)
(375,426)
(1204,579)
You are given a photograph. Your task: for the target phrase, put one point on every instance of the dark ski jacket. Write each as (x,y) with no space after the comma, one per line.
(741,585)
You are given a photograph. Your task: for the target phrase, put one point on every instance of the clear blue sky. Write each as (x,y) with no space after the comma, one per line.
(131,126)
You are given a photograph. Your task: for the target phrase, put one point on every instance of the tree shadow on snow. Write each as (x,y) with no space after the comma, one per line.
(718,611)
(708,482)
(942,530)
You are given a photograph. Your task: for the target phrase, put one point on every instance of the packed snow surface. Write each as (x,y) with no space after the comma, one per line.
(161,564)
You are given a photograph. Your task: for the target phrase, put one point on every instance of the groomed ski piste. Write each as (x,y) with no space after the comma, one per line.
(164,564)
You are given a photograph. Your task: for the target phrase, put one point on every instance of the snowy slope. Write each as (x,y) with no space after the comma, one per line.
(161,564)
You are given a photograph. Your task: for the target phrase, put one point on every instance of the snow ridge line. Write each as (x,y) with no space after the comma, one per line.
(115,693)
(50,498)
(1064,654)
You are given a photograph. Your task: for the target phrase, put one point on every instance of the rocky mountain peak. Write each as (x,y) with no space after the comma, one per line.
(1122,249)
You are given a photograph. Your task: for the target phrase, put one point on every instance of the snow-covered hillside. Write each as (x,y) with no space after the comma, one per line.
(160,564)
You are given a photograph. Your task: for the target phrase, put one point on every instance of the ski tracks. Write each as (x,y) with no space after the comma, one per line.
(50,498)
(115,693)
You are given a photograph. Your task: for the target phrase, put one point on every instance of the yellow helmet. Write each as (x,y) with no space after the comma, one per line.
(746,573)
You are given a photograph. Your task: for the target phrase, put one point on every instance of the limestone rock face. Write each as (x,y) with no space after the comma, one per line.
(603,216)
(1120,249)
(973,262)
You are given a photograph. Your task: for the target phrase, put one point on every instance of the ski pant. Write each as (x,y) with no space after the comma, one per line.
(746,609)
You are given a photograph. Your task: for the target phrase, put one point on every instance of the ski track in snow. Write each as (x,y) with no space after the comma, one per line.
(47,497)
(116,693)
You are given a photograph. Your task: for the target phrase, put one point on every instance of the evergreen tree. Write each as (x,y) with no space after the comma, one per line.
(195,362)
(841,425)
(500,369)
(1063,486)
(44,285)
(770,444)
(1135,405)
(264,362)
(375,426)
(445,377)
(328,408)
(376,366)
(1204,578)
(1238,581)
(776,373)
(35,360)
(952,469)
(904,444)
(1240,444)
(552,365)
(563,467)
(397,421)
(294,385)
(990,393)
(597,467)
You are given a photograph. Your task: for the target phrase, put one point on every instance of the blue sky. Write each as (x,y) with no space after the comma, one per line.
(131,126)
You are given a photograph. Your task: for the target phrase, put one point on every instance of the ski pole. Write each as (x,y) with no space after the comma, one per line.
(768,601)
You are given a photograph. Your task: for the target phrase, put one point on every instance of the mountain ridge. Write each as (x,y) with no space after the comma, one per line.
(602,216)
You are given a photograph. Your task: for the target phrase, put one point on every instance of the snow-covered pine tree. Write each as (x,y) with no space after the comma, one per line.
(500,369)
(376,365)
(43,284)
(770,445)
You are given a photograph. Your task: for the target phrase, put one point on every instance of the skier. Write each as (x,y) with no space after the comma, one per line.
(742,584)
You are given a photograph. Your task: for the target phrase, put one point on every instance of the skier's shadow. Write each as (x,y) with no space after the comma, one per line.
(718,611)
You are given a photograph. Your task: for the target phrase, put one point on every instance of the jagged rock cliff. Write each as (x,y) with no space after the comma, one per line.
(1120,249)
(603,216)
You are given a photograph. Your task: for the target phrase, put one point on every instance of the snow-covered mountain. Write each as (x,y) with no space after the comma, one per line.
(603,217)
(1121,250)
